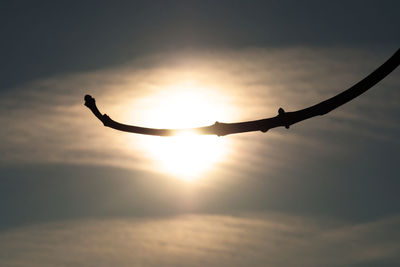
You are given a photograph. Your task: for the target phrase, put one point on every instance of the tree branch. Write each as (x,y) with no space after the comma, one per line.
(282,119)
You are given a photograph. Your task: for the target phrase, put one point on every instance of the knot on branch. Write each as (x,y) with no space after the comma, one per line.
(106,120)
(281,113)
(219,129)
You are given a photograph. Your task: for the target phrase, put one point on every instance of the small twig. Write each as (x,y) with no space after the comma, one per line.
(283,118)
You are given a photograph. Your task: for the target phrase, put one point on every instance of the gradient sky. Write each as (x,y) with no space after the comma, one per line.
(73,193)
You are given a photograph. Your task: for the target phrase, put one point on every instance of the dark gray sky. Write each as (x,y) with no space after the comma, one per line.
(46,38)
(284,198)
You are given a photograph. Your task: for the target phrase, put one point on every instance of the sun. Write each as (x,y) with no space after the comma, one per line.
(187,156)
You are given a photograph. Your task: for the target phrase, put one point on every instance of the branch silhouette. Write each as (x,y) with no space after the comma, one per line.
(283,118)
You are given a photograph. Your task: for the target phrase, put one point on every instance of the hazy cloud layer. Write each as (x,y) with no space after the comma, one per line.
(45,121)
(57,166)
(204,240)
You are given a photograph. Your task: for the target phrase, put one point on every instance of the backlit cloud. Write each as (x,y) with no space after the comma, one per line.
(46,121)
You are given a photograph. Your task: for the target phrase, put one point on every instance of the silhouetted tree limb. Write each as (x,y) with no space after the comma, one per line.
(282,119)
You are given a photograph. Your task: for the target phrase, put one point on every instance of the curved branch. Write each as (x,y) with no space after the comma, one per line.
(282,119)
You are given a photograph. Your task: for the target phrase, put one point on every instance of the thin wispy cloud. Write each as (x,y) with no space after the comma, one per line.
(198,240)
(46,121)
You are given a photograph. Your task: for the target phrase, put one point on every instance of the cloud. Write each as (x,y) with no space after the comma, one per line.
(47,122)
(312,168)
(261,239)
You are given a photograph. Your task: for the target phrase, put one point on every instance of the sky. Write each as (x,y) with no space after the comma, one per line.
(72,192)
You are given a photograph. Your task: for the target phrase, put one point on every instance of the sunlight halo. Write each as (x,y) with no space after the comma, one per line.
(186,156)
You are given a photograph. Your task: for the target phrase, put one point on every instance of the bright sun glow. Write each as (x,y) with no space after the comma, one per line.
(187,156)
